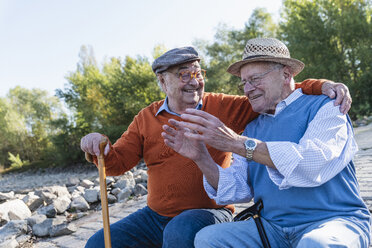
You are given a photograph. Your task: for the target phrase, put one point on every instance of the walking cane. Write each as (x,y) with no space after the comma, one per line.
(103,190)
(254,212)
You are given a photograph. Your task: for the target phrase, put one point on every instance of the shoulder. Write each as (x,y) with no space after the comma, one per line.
(221,97)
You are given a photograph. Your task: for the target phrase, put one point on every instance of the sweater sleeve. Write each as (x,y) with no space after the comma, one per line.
(311,86)
(126,152)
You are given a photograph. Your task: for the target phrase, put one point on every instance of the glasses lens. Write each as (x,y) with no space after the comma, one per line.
(185,76)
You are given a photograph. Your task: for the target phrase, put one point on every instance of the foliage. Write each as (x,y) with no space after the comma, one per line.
(105,99)
(25,121)
(333,38)
(16,161)
(228,48)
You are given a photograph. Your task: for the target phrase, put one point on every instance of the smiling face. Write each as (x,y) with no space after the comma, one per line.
(269,85)
(182,95)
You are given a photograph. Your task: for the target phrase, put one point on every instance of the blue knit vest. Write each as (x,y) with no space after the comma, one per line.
(340,196)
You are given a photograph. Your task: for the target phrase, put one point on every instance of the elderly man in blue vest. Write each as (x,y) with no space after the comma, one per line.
(296,157)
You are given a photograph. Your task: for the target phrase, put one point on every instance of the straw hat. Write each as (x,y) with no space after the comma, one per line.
(266,49)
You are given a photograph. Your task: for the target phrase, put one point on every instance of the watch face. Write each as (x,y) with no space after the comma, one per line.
(250,143)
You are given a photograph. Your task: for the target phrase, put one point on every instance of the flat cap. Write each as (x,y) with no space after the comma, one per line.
(173,57)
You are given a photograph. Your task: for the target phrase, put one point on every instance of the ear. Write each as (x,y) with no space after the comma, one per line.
(161,81)
(287,74)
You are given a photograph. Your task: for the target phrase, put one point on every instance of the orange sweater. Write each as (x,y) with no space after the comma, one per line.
(175,182)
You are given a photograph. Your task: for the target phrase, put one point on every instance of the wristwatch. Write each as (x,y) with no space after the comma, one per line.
(250,145)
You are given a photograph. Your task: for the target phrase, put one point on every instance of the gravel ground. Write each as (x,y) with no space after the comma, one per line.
(22,182)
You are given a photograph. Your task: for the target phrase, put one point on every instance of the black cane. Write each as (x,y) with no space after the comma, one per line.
(254,212)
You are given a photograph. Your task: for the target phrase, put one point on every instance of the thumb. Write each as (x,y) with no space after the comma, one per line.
(107,149)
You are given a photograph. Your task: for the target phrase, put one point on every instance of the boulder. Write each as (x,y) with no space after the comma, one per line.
(80,204)
(86,183)
(12,229)
(6,196)
(62,229)
(139,189)
(36,219)
(124,194)
(91,195)
(14,210)
(49,211)
(61,204)
(42,229)
(33,201)
(60,191)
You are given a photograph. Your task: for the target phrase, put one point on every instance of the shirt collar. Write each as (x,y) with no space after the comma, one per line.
(165,107)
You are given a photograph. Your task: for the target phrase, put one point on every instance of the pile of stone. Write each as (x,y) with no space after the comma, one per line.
(50,211)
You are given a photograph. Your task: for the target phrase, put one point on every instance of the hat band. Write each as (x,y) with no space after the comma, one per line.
(254,56)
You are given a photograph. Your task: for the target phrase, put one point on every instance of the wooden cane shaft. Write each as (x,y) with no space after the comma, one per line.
(103,190)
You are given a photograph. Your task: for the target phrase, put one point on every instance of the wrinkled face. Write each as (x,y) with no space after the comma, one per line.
(263,85)
(184,86)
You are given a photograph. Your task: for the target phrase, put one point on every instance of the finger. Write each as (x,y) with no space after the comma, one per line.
(199,120)
(340,95)
(330,93)
(107,149)
(169,143)
(168,137)
(95,147)
(345,105)
(193,135)
(202,114)
(169,130)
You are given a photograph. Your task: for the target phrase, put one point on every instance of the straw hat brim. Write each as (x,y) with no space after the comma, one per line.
(296,65)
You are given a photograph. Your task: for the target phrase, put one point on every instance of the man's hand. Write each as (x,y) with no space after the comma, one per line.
(177,140)
(90,144)
(209,129)
(341,92)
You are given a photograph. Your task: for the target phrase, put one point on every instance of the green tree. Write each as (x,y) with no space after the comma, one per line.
(106,99)
(333,38)
(228,47)
(25,124)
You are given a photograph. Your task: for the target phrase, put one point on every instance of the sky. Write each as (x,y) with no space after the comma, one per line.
(40,40)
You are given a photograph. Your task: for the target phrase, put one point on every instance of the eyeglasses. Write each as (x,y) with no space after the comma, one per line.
(186,76)
(255,80)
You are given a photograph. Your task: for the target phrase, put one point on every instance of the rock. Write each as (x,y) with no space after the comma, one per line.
(139,189)
(86,183)
(49,211)
(33,201)
(61,204)
(72,181)
(124,194)
(111,198)
(140,176)
(79,203)
(23,239)
(14,210)
(10,243)
(62,229)
(36,219)
(48,197)
(60,191)
(6,196)
(91,195)
(125,183)
(116,191)
(12,230)
(42,229)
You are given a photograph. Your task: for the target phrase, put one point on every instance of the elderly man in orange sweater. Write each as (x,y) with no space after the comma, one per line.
(177,205)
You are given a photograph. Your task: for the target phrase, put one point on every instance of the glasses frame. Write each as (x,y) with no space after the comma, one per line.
(192,75)
(255,80)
